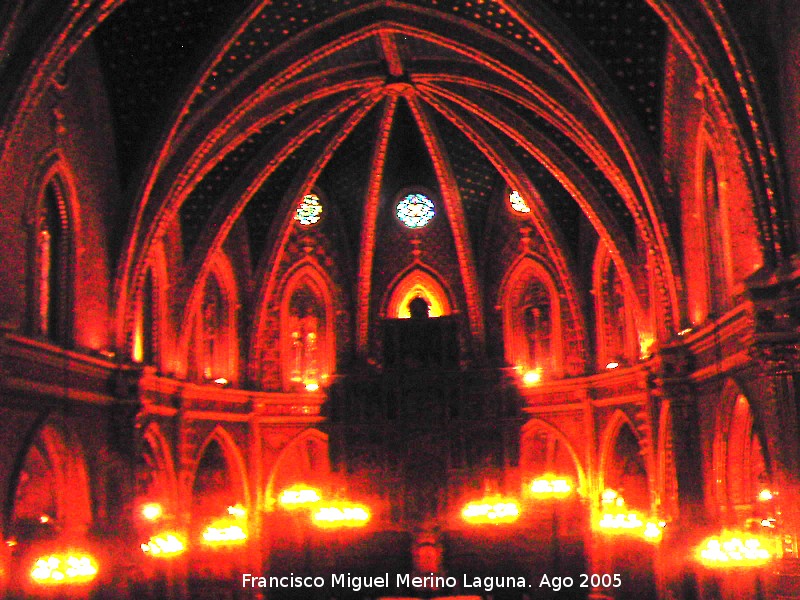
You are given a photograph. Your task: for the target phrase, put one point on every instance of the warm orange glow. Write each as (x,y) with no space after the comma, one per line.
(551,486)
(494,509)
(646,343)
(733,549)
(164,545)
(152,511)
(299,496)
(532,377)
(618,519)
(221,381)
(765,495)
(341,514)
(312,386)
(229,530)
(612,364)
(223,533)
(44,519)
(64,569)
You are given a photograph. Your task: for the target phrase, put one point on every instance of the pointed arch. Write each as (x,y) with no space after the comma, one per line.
(214,486)
(303,460)
(532,320)
(51,480)
(156,479)
(417,281)
(212,326)
(616,318)
(623,465)
(149,335)
(51,221)
(556,453)
(742,467)
(307,325)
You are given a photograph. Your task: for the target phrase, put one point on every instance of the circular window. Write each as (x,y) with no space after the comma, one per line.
(415,210)
(309,211)
(518,203)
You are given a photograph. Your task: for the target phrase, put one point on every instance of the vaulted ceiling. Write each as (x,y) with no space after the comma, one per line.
(226,113)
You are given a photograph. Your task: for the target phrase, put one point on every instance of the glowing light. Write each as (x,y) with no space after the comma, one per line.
(493,510)
(612,364)
(684,332)
(299,496)
(227,531)
(415,211)
(164,545)
(152,511)
(341,514)
(44,519)
(64,569)
(309,211)
(223,533)
(532,377)
(765,495)
(618,519)
(312,386)
(652,531)
(646,342)
(733,549)
(518,203)
(551,486)
(621,520)
(221,381)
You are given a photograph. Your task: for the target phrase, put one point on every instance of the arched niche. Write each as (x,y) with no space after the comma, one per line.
(50,492)
(219,480)
(623,467)
(308,348)
(304,460)
(155,475)
(615,322)
(741,463)
(417,283)
(531,312)
(544,449)
(214,354)
(150,324)
(52,226)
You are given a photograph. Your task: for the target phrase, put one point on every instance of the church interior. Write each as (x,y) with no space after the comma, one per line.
(478,299)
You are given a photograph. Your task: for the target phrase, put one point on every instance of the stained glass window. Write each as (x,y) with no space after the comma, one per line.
(415,210)
(309,211)
(518,203)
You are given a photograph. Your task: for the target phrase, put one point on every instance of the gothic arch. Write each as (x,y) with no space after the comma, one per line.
(617,318)
(741,462)
(554,437)
(711,203)
(303,460)
(522,336)
(53,465)
(52,222)
(623,465)
(417,281)
(157,482)
(235,470)
(307,326)
(213,319)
